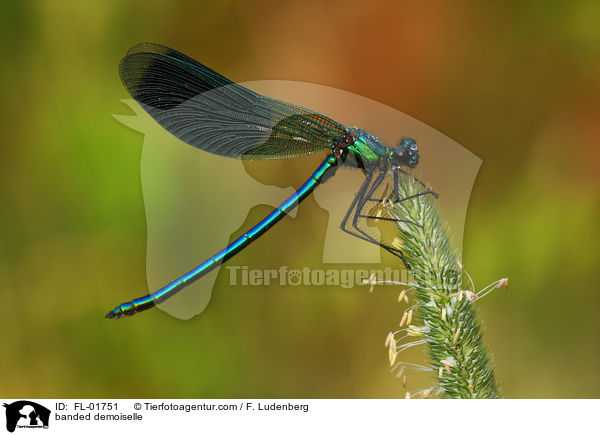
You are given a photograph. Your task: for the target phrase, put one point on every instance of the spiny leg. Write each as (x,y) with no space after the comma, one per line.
(385,196)
(406,198)
(361,203)
(358,195)
(397,180)
(366,196)
(352,210)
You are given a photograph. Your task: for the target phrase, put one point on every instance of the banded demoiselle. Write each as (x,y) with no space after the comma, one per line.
(208,111)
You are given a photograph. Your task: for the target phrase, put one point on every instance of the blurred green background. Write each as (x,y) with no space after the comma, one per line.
(517,83)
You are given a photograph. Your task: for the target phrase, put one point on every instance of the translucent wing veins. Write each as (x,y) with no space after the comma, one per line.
(208,111)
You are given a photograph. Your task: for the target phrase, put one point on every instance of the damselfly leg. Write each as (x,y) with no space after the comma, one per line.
(358,213)
(356,207)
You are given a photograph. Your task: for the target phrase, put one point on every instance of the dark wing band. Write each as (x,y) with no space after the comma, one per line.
(208,111)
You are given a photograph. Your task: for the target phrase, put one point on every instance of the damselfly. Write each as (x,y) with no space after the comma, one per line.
(208,111)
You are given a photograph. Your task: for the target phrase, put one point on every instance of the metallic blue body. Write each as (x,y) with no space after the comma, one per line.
(146,302)
(211,113)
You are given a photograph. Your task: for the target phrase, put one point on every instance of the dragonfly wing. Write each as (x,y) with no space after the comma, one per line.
(208,111)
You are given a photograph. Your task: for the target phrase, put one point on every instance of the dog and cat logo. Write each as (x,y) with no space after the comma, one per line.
(25,414)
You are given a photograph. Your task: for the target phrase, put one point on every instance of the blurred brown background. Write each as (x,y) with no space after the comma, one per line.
(517,84)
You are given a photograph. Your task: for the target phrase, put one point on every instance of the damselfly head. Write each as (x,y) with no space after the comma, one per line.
(406,153)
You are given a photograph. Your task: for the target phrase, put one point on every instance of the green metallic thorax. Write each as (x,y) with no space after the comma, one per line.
(368,147)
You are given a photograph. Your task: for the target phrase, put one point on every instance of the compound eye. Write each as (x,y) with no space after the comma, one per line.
(407,142)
